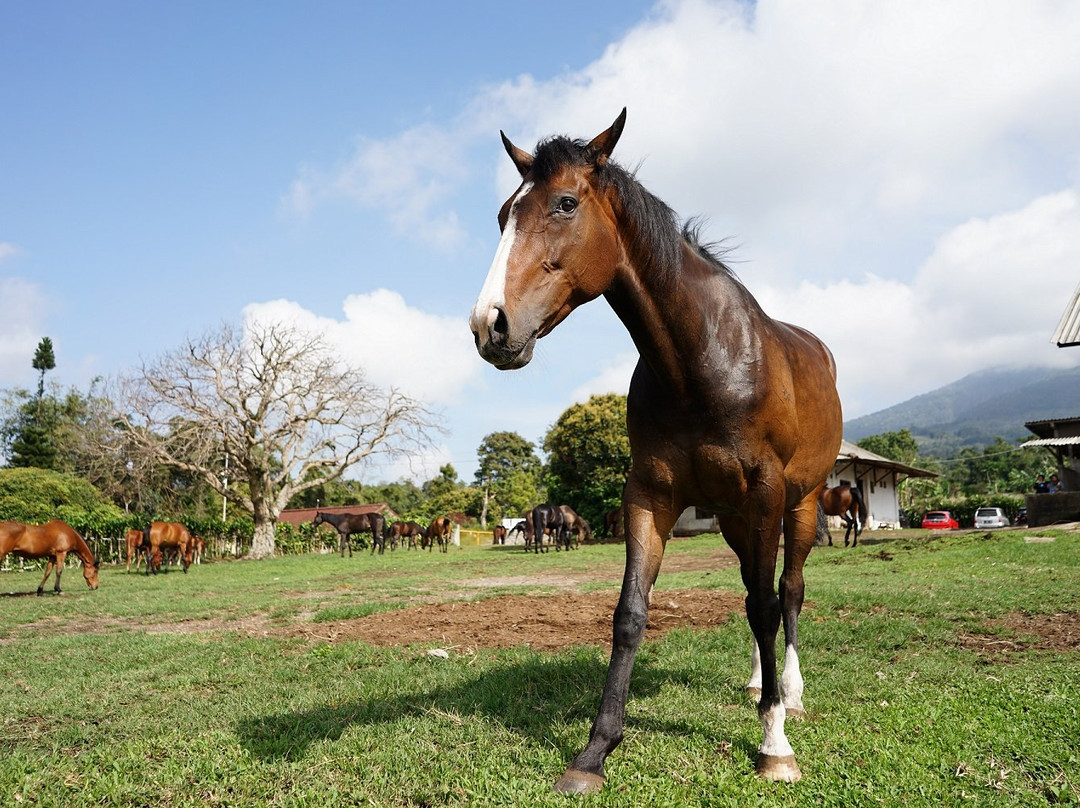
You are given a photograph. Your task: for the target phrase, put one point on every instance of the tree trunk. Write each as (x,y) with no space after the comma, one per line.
(262,542)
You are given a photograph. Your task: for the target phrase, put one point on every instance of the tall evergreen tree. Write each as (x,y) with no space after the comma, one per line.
(44,361)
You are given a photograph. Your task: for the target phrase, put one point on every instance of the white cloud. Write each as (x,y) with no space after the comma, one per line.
(8,250)
(20,328)
(427,356)
(408,178)
(613,379)
(988,295)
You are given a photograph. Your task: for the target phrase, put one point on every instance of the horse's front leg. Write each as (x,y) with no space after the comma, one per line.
(647,530)
(48,571)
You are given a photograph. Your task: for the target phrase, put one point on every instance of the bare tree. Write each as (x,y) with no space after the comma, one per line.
(277,404)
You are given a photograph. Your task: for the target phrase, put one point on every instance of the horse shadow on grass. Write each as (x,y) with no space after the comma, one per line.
(539,698)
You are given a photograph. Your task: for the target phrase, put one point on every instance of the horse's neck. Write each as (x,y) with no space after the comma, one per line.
(679,317)
(82,550)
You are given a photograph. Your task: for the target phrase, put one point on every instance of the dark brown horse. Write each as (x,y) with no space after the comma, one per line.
(53,540)
(440,531)
(575,526)
(847,502)
(525,529)
(347,524)
(547,518)
(728,409)
(167,537)
(498,534)
(136,550)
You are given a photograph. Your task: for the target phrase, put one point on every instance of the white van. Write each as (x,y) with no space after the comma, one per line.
(990,517)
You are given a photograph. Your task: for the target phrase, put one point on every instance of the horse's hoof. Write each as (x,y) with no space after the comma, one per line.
(781,768)
(753,693)
(794,712)
(579,782)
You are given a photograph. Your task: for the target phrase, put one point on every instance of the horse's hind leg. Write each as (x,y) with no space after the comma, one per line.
(644,552)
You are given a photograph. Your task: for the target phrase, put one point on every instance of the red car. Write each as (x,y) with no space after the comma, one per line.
(940,520)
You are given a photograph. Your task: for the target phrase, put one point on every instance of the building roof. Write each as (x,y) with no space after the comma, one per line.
(857,454)
(1073,441)
(1068,330)
(1047,428)
(297,516)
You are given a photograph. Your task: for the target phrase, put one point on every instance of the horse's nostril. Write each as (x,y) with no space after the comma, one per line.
(501,326)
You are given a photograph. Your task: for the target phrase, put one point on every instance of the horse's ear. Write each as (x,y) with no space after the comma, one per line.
(603,144)
(522,159)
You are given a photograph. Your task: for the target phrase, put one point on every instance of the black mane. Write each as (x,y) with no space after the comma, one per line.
(658,237)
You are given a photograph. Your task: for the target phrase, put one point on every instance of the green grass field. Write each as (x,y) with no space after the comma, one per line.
(939,671)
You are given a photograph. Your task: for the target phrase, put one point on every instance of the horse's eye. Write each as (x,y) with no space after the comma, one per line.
(567,204)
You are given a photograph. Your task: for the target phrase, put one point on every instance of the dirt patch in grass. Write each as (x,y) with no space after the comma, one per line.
(543,623)
(1025,632)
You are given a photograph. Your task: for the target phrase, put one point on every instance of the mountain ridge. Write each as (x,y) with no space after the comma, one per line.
(976,409)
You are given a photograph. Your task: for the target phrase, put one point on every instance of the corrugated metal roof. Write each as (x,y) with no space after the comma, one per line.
(1068,330)
(1073,441)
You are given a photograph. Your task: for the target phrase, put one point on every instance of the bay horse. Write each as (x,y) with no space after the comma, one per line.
(136,549)
(167,537)
(406,532)
(347,524)
(845,501)
(728,409)
(53,540)
(575,525)
(439,531)
(613,522)
(498,534)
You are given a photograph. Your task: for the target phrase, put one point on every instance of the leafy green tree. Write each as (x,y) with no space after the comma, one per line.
(508,475)
(35,496)
(900,446)
(589,456)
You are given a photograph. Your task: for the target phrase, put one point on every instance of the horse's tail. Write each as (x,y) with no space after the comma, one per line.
(859,506)
(821,536)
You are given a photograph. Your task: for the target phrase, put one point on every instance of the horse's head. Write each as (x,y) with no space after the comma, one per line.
(559,247)
(319,519)
(90,573)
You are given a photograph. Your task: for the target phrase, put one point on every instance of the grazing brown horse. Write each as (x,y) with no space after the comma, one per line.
(347,524)
(167,537)
(439,531)
(498,534)
(613,521)
(847,502)
(575,525)
(53,540)
(728,409)
(406,532)
(136,550)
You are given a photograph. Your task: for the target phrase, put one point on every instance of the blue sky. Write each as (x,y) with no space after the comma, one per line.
(903,180)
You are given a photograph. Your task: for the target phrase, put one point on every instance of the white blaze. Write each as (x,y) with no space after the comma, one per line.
(493,293)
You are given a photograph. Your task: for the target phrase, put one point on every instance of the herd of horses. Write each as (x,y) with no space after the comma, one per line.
(406,532)
(555,525)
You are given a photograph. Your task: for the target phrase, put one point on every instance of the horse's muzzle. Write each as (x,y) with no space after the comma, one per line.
(494,342)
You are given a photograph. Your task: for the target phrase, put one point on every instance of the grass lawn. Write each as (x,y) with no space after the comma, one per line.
(940,670)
